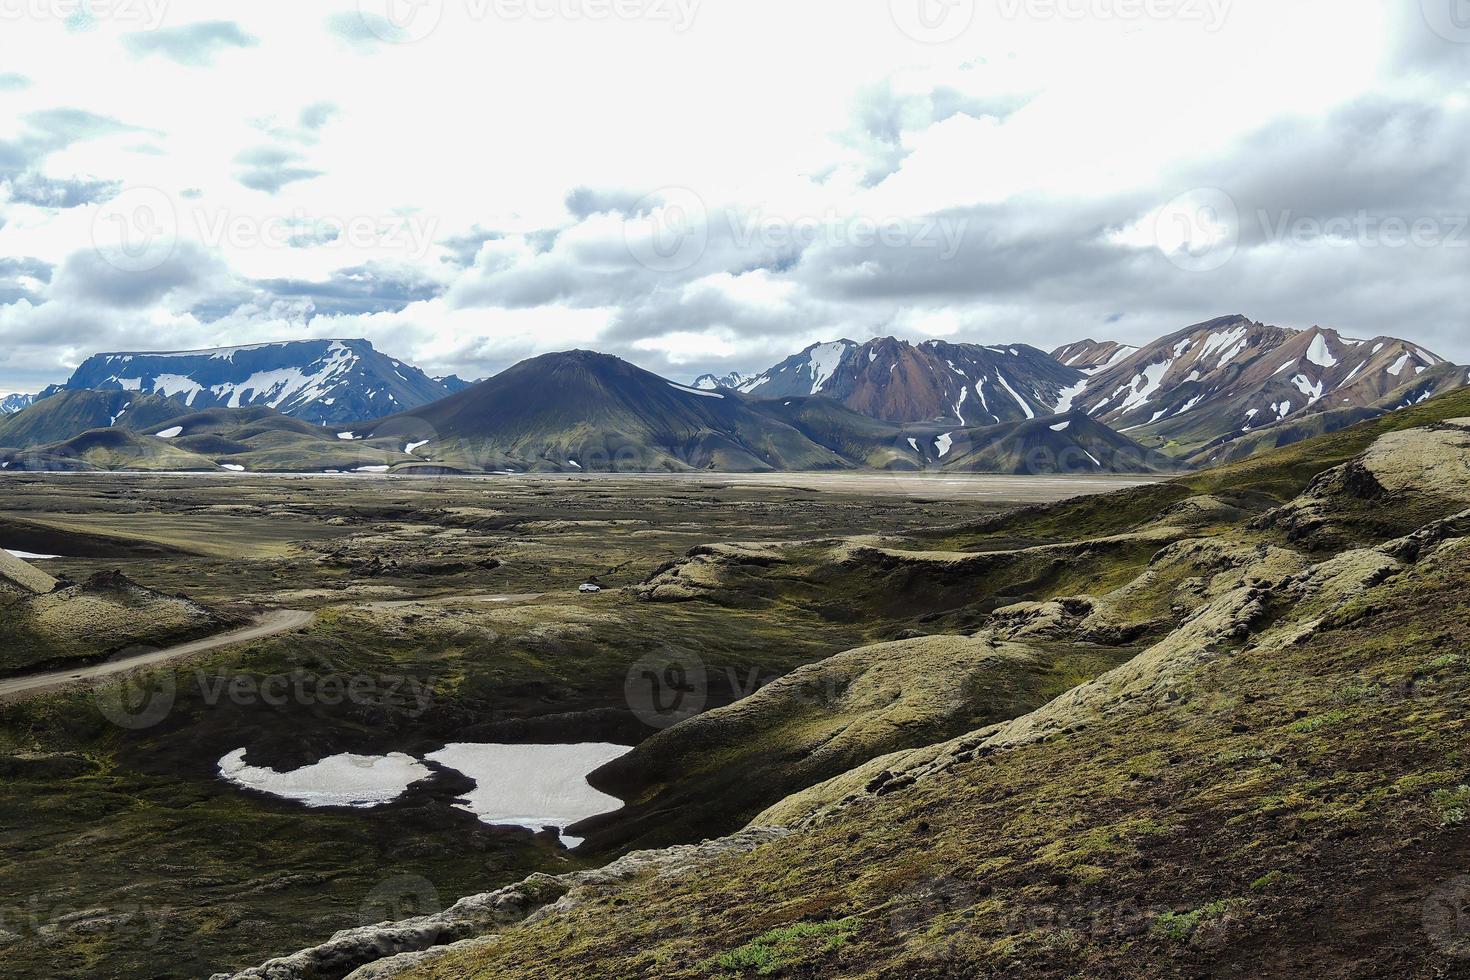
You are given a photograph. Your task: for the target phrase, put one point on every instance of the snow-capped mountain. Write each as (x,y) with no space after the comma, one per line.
(1091,356)
(10,404)
(322,381)
(1226,377)
(896,381)
(710,382)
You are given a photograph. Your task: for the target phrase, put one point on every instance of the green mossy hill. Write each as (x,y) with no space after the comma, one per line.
(1274,787)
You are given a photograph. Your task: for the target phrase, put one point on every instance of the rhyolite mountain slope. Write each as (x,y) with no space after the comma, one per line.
(322,381)
(1091,356)
(896,381)
(589,411)
(1227,377)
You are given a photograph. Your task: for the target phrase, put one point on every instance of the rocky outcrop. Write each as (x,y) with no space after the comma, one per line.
(706,572)
(390,948)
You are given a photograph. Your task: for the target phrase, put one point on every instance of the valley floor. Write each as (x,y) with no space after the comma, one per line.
(125,854)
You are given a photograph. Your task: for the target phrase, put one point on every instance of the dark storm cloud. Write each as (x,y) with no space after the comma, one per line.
(192,45)
(371,288)
(270,168)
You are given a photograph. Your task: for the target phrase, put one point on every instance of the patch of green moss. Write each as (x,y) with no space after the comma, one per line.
(785,947)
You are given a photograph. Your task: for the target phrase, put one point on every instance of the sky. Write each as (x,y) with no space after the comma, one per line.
(712,185)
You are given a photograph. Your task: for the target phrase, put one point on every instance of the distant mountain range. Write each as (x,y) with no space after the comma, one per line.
(1193,391)
(10,404)
(892,380)
(322,381)
(1212,392)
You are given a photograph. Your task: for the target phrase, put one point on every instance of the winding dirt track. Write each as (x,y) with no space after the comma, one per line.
(270,624)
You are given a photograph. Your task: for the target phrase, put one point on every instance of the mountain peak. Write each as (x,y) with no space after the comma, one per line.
(324,381)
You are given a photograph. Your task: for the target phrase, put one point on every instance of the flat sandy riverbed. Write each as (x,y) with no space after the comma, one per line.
(922,486)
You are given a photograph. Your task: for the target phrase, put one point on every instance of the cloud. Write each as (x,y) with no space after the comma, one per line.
(23,279)
(88,278)
(318,114)
(192,45)
(270,168)
(47,192)
(364,31)
(13,82)
(371,288)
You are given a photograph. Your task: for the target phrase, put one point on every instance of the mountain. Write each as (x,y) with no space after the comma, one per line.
(108,449)
(322,381)
(1049,445)
(581,410)
(709,382)
(1222,379)
(934,381)
(452,383)
(10,404)
(67,414)
(1091,356)
(1063,444)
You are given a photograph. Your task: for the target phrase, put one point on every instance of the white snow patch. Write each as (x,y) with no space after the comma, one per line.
(339,780)
(824,361)
(913,444)
(1313,392)
(1320,354)
(1145,385)
(233,467)
(372,469)
(533,786)
(695,391)
(1069,395)
(29,556)
(1061,426)
(1399,365)
(346,436)
(1221,340)
(1025,407)
(944,444)
(170,433)
(414,447)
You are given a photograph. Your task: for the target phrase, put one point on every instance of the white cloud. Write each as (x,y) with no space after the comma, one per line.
(1048,144)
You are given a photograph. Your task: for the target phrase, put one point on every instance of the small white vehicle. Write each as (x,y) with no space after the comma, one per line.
(589,587)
